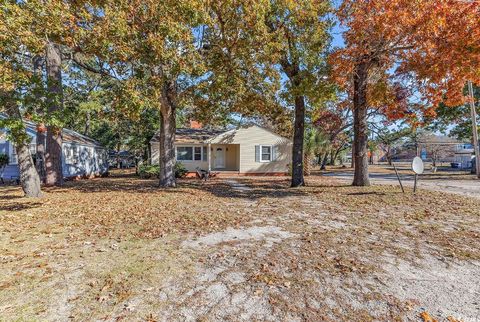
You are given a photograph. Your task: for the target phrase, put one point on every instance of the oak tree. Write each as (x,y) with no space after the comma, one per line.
(431,45)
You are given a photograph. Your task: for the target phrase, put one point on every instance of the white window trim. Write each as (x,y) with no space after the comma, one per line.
(261,154)
(193,152)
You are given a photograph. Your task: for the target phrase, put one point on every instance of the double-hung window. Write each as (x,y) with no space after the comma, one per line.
(190,153)
(197,155)
(33,148)
(13,154)
(265,153)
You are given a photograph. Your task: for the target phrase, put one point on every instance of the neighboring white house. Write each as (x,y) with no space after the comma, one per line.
(246,150)
(81,157)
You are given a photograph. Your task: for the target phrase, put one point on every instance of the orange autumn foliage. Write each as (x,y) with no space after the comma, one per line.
(430,45)
(426,317)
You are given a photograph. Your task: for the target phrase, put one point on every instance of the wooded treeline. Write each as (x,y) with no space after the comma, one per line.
(118,70)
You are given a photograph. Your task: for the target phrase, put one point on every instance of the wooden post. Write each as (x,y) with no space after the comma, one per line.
(415,183)
(474,128)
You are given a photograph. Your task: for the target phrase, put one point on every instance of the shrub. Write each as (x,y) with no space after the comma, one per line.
(152,171)
(146,171)
(3,160)
(180,170)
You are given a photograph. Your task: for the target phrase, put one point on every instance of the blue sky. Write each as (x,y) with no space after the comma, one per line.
(337,33)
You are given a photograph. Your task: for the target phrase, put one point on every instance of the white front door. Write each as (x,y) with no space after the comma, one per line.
(219,158)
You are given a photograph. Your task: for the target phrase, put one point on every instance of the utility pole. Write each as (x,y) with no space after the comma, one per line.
(474,129)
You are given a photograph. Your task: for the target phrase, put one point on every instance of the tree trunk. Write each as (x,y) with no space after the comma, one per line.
(86,130)
(307,168)
(40,133)
(53,155)
(389,156)
(352,163)
(323,166)
(298,137)
(40,155)
(332,157)
(148,154)
(360,177)
(119,161)
(167,140)
(335,155)
(29,178)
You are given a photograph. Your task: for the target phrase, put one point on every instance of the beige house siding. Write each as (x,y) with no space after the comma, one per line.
(240,156)
(248,138)
(189,165)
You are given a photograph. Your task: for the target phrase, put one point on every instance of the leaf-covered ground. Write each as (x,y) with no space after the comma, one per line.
(240,249)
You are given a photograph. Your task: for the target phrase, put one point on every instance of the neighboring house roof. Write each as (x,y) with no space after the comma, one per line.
(200,136)
(437,139)
(71,136)
(68,136)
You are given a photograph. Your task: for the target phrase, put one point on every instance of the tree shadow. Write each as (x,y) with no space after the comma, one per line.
(375,193)
(19,206)
(251,189)
(10,197)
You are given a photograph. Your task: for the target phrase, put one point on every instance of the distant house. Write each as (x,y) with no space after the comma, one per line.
(464,154)
(438,148)
(247,150)
(82,156)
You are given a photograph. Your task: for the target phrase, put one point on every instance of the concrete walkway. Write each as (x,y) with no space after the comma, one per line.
(237,186)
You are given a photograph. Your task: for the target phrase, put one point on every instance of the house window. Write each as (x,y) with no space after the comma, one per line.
(33,148)
(184,153)
(190,153)
(198,153)
(265,153)
(72,154)
(13,155)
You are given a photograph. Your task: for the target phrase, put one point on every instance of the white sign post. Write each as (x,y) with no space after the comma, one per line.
(418,168)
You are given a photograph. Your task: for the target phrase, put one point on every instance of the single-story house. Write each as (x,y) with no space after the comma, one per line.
(82,156)
(464,153)
(428,146)
(247,150)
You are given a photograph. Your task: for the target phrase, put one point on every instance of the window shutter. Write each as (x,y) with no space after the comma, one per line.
(257,153)
(204,154)
(275,153)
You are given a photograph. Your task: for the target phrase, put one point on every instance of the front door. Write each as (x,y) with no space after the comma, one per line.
(219,158)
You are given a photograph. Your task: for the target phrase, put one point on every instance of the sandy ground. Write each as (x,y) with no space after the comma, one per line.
(224,290)
(316,254)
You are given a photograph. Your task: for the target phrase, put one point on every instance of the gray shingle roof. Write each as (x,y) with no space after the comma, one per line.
(187,135)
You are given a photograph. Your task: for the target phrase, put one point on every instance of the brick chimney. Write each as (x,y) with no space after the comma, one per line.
(195,125)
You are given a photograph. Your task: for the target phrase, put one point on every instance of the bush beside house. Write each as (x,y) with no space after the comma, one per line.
(152,171)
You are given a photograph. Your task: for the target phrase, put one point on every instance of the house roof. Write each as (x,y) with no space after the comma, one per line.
(187,135)
(75,137)
(201,136)
(68,136)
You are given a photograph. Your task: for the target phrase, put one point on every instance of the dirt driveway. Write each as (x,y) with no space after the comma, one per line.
(464,185)
(242,249)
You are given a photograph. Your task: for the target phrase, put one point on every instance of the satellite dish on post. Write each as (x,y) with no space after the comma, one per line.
(417,165)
